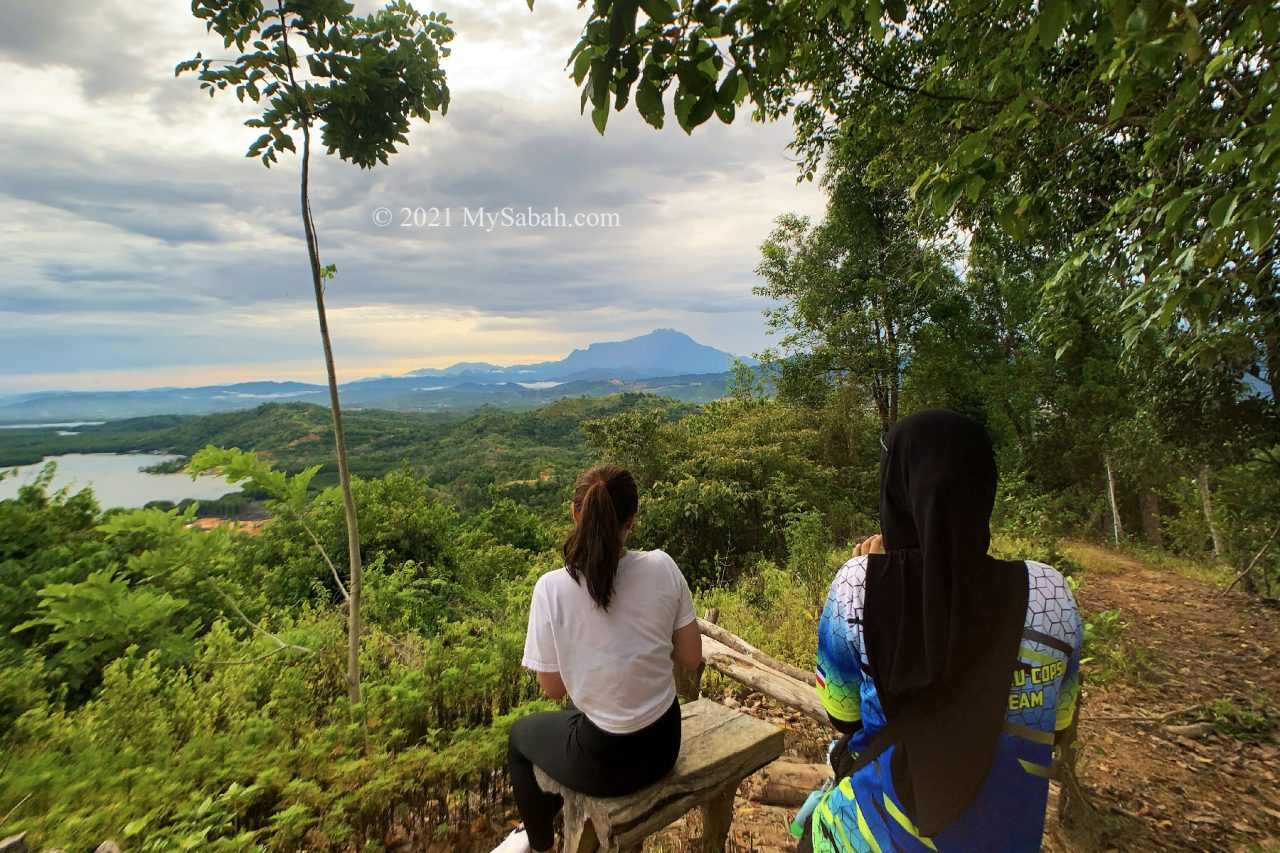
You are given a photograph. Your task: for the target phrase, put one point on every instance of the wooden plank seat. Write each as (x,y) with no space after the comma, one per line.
(719,748)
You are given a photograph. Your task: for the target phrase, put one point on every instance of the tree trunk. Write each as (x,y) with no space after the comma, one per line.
(1149,508)
(1206,498)
(895,374)
(339,437)
(1111,493)
(1269,306)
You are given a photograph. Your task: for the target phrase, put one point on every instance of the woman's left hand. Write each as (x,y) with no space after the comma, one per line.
(870,545)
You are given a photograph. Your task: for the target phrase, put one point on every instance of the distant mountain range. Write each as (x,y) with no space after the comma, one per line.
(662,362)
(662,352)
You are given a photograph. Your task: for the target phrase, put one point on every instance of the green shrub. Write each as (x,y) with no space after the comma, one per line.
(772,609)
(1245,720)
(809,552)
(717,488)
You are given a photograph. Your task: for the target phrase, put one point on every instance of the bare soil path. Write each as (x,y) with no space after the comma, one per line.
(1155,787)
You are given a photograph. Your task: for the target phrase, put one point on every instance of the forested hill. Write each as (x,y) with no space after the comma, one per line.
(464,451)
(133,628)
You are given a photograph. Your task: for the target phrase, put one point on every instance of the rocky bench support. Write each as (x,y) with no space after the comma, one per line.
(719,748)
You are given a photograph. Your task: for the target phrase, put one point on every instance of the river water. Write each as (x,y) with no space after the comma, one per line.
(117,480)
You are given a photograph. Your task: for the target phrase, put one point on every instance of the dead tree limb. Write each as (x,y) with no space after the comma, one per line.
(15,808)
(255,626)
(778,686)
(738,644)
(323,553)
(1256,557)
(1145,718)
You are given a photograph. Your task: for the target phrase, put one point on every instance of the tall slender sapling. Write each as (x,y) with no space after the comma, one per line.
(360,81)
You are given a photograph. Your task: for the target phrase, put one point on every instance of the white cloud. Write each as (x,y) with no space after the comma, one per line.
(137,237)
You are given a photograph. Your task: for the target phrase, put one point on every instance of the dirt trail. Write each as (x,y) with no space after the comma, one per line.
(1149,788)
(1154,789)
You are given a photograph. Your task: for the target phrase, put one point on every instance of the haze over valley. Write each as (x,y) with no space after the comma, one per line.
(664,362)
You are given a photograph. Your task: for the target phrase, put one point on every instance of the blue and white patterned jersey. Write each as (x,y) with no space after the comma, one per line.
(864,814)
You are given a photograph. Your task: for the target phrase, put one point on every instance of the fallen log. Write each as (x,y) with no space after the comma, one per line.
(733,641)
(757,675)
(786,783)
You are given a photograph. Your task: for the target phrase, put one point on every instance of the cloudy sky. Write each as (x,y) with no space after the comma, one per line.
(139,248)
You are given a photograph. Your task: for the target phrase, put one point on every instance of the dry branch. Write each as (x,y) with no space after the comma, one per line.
(738,644)
(15,808)
(325,554)
(255,626)
(1145,718)
(757,675)
(1256,558)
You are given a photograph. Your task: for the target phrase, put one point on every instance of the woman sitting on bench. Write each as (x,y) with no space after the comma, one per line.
(603,630)
(949,671)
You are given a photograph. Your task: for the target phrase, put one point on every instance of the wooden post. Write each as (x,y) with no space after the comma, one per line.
(717,816)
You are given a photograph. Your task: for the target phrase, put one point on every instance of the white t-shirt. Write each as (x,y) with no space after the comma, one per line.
(616,664)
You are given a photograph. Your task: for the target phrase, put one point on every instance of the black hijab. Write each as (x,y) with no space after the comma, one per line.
(942,620)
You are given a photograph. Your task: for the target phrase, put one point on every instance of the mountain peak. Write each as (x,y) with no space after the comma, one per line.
(662,352)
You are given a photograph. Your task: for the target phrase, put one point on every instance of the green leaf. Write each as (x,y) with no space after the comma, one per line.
(683,103)
(1053,17)
(897,10)
(728,91)
(659,10)
(1220,213)
(649,103)
(702,110)
(945,198)
(1216,64)
(1120,100)
(1136,25)
(581,64)
(1172,212)
(1258,231)
(600,117)
(599,80)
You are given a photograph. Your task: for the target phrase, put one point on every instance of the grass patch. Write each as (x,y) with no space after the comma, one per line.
(1098,558)
(1047,551)
(1108,558)
(1247,720)
(771,609)
(1213,574)
(1109,657)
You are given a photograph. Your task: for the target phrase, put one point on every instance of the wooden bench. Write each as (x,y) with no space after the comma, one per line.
(719,748)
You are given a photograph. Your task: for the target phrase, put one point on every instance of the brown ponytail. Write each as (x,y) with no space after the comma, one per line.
(605,500)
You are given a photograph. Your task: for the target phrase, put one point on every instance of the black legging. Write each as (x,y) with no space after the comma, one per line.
(576,753)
